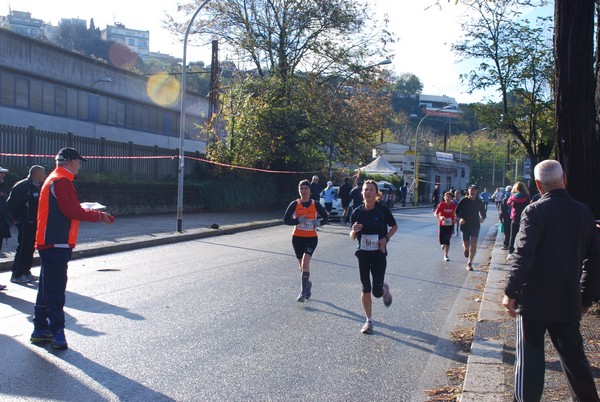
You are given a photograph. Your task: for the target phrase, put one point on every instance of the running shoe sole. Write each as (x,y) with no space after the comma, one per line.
(367,329)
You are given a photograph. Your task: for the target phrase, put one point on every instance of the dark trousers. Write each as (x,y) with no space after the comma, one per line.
(514,229)
(50,302)
(506,222)
(530,360)
(25,248)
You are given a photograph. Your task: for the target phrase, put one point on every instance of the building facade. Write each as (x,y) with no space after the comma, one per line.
(53,89)
(135,39)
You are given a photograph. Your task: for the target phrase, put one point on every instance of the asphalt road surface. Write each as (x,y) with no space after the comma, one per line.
(217,320)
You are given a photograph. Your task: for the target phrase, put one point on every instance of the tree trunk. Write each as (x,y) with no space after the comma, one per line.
(575,90)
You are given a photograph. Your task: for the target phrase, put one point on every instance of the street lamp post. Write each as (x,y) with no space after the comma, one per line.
(337,87)
(416,198)
(182,123)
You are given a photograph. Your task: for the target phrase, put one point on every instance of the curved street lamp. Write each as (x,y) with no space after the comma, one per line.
(334,93)
(182,123)
(416,198)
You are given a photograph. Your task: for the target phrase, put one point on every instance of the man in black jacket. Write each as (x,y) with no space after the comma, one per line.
(23,205)
(554,279)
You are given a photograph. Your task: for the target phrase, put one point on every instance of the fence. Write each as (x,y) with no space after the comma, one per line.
(107,156)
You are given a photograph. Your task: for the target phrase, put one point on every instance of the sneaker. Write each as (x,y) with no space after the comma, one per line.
(466,252)
(504,248)
(301,298)
(367,328)
(387,296)
(58,340)
(510,257)
(32,277)
(20,279)
(469,266)
(308,293)
(2,287)
(40,336)
(446,258)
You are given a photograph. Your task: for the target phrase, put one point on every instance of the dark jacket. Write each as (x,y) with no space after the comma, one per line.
(23,201)
(5,217)
(556,268)
(315,192)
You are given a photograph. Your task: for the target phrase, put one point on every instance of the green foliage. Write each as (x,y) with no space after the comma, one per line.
(515,57)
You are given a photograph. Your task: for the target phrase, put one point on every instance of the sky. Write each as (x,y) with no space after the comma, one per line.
(425,34)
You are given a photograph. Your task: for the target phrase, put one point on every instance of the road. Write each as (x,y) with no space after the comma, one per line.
(217,319)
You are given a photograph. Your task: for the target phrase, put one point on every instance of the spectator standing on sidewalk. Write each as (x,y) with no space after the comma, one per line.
(5,218)
(356,199)
(59,214)
(344,194)
(403,194)
(498,196)
(370,223)
(23,205)
(555,278)
(471,213)
(504,215)
(315,190)
(303,214)
(517,202)
(446,218)
(435,197)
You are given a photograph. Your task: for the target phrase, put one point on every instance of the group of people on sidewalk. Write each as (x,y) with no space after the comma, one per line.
(47,213)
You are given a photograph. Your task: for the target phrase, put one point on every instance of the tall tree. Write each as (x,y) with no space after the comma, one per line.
(577,136)
(515,58)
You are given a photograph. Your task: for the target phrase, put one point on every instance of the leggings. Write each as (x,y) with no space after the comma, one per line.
(372,263)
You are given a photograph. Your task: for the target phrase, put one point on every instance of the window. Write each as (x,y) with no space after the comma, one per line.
(82,103)
(7,89)
(36,102)
(116,113)
(72,103)
(22,92)
(48,96)
(60,108)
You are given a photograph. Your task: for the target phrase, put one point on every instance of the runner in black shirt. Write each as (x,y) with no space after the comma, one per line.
(471,213)
(370,223)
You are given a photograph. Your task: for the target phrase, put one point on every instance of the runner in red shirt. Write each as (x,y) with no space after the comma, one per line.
(446,219)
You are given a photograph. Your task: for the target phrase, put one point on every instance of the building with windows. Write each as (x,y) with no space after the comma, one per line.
(448,169)
(135,39)
(53,89)
(22,23)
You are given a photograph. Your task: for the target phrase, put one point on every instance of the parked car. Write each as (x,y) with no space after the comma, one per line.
(336,210)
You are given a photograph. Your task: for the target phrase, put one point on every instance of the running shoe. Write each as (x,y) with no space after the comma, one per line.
(40,336)
(446,258)
(469,266)
(58,340)
(387,296)
(2,287)
(301,298)
(367,329)
(308,294)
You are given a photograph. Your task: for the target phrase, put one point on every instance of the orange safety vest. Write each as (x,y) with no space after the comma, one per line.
(53,228)
(305,229)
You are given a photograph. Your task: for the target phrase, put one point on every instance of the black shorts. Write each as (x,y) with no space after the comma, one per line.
(468,232)
(304,245)
(445,234)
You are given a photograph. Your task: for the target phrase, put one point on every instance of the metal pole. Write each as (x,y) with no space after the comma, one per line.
(416,192)
(182,123)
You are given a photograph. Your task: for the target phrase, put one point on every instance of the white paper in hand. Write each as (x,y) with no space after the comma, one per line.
(92,205)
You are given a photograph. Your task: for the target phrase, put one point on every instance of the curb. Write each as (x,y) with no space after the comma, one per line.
(93,249)
(485,372)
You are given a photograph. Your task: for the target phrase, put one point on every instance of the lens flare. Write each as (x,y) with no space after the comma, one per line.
(163,89)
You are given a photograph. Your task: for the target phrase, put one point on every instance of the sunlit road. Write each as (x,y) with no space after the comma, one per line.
(217,320)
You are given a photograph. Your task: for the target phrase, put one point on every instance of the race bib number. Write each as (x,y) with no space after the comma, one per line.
(369,242)
(447,222)
(306,225)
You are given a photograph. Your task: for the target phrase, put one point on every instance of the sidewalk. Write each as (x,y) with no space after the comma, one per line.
(134,232)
